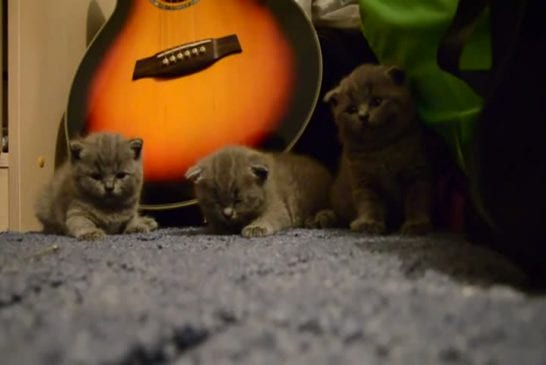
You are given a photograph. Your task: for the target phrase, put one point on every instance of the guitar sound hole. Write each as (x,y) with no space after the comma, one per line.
(173,4)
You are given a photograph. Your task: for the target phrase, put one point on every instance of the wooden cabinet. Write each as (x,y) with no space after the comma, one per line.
(46,41)
(4,206)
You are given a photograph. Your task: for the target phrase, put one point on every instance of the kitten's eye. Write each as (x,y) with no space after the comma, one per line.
(351,109)
(375,102)
(96,176)
(121,175)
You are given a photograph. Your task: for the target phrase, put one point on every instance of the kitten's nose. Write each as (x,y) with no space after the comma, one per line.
(109,186)
(364,117)
(228,212)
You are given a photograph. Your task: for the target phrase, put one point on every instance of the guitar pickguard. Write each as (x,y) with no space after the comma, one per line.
(186,58)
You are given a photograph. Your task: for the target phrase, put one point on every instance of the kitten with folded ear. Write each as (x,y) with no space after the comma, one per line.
(97,191)
(254,193)
(384,176)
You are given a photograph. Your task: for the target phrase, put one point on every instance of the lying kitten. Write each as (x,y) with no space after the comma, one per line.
(243,190)
(384,172)
(97,191)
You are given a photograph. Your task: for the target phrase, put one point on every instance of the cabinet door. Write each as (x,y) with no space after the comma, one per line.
(47,39)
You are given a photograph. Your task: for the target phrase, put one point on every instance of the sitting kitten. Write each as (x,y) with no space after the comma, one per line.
(97,190)
(384,173)
(240,189)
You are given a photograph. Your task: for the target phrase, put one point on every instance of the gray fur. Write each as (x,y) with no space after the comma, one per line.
(384,171)
(97,191)
(240,189)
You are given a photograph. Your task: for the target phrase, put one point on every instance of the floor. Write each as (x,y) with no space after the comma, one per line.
(300,297)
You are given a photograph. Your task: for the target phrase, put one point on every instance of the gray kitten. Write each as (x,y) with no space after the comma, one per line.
(97,191)
(240,189)
(384,174)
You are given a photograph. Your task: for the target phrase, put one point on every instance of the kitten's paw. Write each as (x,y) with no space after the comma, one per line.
(137,228)
(416,227)
(257,230)
(368,226)
(323,219)
(141,225)
(150,223)
(94,234)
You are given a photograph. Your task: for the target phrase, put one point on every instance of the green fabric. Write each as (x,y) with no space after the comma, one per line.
(407,33)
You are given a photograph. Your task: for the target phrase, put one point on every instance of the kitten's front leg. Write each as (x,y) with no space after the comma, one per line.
(370,211)
(272,221)
(417,207)
(83,228)
(325,218)
(141,224)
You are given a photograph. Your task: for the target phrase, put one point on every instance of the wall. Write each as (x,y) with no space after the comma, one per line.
(47,39)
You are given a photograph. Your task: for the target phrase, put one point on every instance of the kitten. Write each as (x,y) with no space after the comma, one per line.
(240,189)
(97,191)
(384,174)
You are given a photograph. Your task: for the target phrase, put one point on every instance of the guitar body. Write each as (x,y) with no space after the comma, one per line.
(191,76)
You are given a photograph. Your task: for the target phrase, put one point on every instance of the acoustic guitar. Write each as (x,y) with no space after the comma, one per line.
(191,76)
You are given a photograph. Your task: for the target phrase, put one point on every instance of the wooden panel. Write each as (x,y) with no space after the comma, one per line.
(4,205)
(47,39)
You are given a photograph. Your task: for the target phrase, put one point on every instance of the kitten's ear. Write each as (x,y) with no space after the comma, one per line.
(331,97)
(397,75)
(260,171)
(194,174)
(76,148)
(136,145)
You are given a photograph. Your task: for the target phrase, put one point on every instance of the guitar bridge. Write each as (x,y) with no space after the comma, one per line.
(186,58)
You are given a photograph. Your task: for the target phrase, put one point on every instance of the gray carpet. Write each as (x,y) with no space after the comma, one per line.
(300,297)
